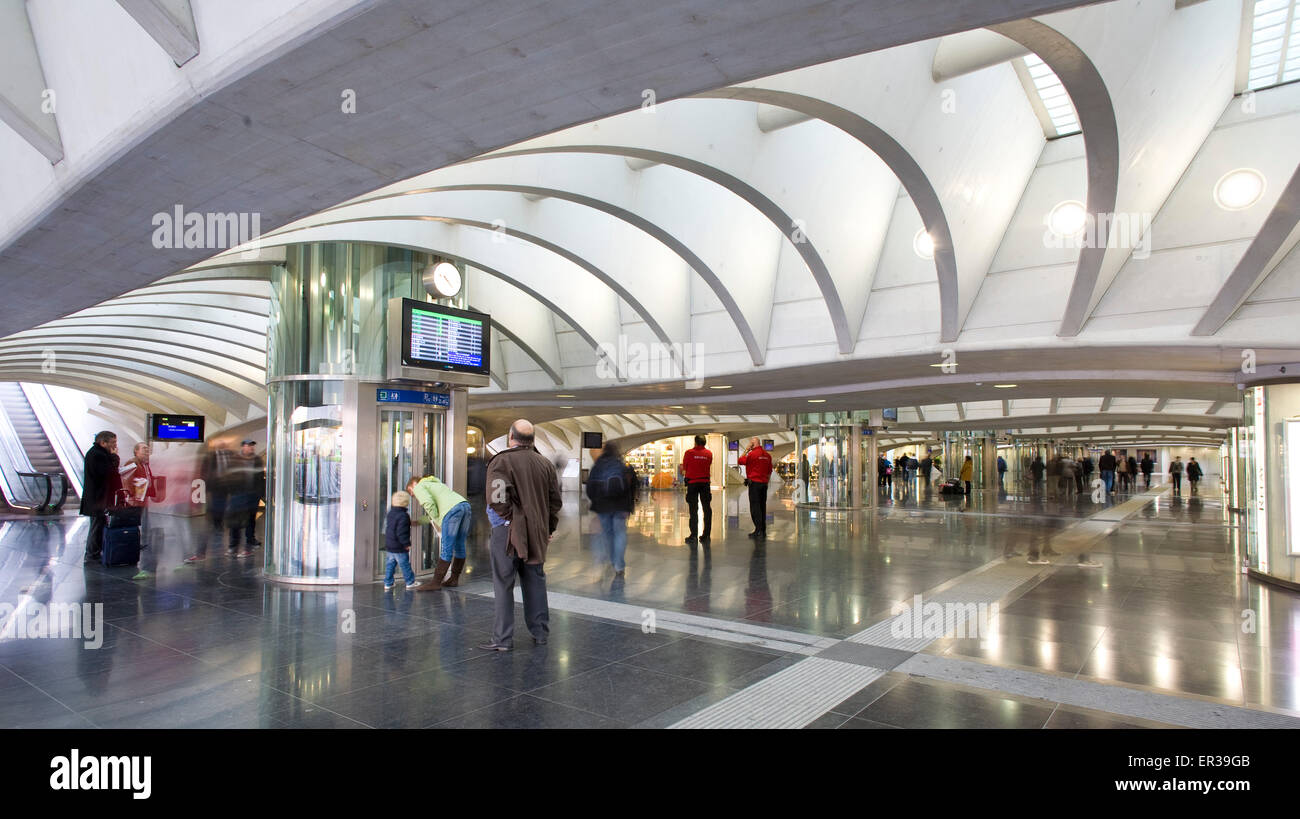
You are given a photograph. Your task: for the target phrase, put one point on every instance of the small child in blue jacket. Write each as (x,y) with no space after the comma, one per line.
(397,541)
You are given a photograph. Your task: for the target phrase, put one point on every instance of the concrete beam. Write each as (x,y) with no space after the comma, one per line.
(170,23)
(27,104)
(1277,237)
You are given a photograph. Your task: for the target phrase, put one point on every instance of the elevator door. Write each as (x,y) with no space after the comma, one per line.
(410,446)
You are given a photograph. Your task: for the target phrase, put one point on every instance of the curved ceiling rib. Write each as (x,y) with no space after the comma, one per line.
(785,223)
(893,154)
(237,372)
(339,231)
(633,261)
(1273,241)
(1087,90)
(692,260)
(471,245)
(541,361)
(199,388)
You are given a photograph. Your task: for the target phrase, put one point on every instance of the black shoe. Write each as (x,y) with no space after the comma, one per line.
(704,539)
(539,641)
(692,540)
(493,647)
(252,541)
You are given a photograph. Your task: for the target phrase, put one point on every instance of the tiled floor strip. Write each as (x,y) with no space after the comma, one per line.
(732,631)
(788,699)
(1115,699)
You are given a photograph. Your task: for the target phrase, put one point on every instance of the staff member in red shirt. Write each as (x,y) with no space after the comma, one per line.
(758,469)
(697,467)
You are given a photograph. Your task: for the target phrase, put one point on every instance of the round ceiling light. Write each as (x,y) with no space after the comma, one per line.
(1068,218)
(923,244)
(1239,189)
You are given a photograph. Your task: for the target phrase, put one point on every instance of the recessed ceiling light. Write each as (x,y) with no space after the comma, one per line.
(1003,386)
(566,396)
(1239,189)
(720,387)
(923,244)
(676,406)
(566,407)
(816,400)
(1068,218)
(945,364)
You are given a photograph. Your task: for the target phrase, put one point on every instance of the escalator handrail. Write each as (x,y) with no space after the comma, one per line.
(60,438)
(49,490)
(12,457)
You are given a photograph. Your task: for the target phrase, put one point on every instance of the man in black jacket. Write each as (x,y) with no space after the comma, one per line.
(100,484)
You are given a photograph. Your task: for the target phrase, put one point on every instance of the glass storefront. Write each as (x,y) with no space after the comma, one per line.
(1267,478)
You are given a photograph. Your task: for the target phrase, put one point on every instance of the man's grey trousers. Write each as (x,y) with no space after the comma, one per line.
(506,567)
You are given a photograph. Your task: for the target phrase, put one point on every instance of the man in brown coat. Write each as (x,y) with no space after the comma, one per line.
(524,503)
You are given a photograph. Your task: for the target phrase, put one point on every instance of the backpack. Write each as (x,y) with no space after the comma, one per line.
(607,481)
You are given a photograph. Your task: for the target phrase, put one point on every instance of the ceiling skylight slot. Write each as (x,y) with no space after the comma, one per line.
(1048,97)
(1274,33)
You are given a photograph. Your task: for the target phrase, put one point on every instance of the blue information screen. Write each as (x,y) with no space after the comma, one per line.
(178,432)
(432,399)
(180,428)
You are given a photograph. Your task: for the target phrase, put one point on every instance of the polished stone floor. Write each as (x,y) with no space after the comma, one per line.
(217,646)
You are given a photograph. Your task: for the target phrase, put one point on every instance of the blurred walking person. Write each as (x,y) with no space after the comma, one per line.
(1194,474)
(141,487)
(611,486)
(245,481)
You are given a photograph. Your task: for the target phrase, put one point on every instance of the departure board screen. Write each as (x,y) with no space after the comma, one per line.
(176,427)
(445,338)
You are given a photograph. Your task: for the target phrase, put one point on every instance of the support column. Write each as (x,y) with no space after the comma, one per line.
(855,465)
(990,477)
(873,455)
(455,467)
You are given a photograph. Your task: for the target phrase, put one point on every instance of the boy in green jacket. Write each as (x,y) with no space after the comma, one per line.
(450,512)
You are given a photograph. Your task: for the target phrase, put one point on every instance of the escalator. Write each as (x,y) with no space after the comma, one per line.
(37,452)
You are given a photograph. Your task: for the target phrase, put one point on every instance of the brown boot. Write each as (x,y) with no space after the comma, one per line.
(456,565)
(435,583)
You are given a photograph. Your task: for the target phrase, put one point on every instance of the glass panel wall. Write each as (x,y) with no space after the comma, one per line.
(328,325)
(304,477)
(396,465)
(1270,438)
(329,307)
(432,462)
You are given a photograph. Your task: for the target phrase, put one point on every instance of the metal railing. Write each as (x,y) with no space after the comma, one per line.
(37,480)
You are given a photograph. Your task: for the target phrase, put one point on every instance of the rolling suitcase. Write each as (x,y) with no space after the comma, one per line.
(121,546)
(122,536)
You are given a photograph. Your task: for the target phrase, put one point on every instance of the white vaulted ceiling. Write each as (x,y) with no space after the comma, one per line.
(769,227)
